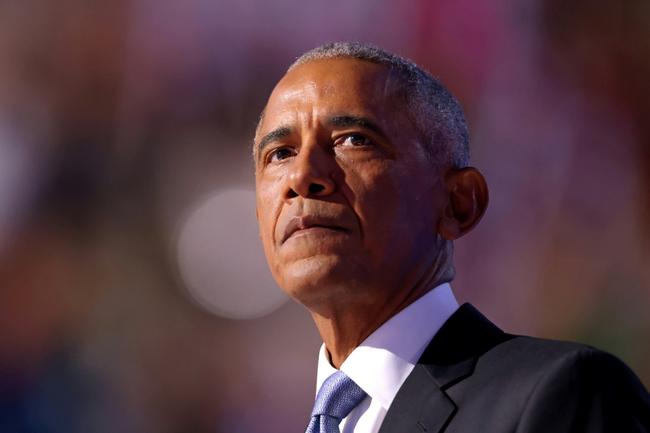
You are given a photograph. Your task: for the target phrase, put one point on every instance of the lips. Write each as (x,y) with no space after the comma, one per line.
(299,223)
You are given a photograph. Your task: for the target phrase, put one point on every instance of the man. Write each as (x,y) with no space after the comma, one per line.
(363,183)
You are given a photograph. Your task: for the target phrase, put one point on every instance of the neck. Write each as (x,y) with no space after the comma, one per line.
(345,325)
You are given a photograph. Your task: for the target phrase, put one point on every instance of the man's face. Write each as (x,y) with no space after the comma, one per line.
(347,199)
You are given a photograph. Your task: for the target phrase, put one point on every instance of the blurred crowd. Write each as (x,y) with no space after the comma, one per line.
(125,133)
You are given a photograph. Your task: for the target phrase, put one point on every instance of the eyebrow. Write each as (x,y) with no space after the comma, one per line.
(276,134)
(342,121)
(362,122)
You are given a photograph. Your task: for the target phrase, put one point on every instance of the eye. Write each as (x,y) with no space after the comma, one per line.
(353,140)
(280,154)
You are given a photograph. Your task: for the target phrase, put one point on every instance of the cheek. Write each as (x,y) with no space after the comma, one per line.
(376,199)
(376,187)
(395,207)
(266,215)
(266,223)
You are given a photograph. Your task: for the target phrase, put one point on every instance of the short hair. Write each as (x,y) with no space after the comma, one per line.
(432,108)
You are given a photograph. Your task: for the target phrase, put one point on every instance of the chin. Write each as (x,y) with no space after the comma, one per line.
(316,279)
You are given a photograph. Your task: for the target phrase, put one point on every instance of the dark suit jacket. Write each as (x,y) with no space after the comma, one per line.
(474,378)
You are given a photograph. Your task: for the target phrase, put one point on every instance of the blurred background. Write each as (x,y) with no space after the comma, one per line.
(133,294)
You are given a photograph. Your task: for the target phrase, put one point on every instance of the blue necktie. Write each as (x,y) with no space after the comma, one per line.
(335,400)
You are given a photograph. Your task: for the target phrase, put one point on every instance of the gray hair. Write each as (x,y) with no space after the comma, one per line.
(435,112)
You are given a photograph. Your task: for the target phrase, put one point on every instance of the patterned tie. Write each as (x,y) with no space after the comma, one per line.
(335,400)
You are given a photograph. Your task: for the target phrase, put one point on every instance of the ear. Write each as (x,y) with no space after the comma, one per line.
(467,200)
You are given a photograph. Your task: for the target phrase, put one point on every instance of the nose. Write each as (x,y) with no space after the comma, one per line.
(311,173)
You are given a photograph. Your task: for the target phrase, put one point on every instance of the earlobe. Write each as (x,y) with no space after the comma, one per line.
(467,200)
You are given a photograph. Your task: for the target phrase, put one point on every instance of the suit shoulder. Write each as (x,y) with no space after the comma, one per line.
(541,350)
(539,364)
(594,388)
(541,355)
(533,383)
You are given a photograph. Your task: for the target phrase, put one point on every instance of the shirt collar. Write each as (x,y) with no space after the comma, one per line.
(383,361)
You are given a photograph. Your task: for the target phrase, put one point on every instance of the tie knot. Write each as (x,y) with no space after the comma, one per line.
(337,396)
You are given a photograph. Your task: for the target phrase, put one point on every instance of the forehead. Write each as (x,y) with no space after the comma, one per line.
(322,87)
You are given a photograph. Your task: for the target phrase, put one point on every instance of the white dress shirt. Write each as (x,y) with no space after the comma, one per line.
(381,364)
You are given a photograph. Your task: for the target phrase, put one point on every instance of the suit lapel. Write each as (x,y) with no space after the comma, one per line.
(422,405)
(410,412)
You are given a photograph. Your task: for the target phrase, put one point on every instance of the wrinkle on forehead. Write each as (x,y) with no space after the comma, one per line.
(373,81)
(293,92)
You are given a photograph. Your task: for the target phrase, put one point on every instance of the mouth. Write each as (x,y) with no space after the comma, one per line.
(304,225)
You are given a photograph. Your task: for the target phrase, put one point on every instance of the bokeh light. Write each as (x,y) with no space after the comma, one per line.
(220,260)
